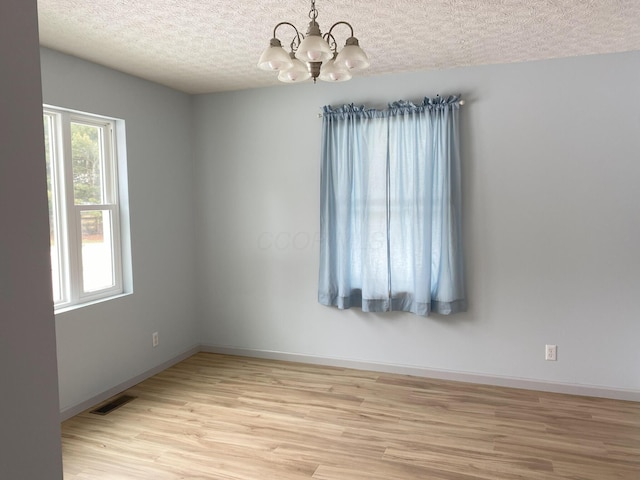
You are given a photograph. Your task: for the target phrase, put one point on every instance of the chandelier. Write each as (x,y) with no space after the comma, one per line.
(313,55)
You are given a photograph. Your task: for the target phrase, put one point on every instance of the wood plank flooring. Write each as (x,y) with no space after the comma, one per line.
(224,417)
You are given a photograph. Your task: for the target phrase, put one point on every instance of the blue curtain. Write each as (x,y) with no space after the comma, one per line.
(390,220)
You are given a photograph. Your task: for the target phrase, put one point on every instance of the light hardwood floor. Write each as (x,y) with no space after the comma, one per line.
(224,417)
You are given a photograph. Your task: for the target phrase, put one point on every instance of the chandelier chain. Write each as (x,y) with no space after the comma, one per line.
(313,13)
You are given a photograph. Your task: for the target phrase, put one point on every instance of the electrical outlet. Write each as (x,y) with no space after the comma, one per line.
(551,352)
(154,339)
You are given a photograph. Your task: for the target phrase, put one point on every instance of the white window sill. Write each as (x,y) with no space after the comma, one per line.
(76,306)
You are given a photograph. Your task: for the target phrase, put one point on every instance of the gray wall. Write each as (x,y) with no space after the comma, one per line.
(30,431)
(551,227)
(224,203)
(109,343)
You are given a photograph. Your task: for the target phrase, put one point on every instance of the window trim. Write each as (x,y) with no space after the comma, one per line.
(67,214)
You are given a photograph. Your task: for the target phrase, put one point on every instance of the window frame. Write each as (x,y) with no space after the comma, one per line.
(67,214)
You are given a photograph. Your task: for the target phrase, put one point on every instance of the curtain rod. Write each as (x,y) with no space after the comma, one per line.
(461,102)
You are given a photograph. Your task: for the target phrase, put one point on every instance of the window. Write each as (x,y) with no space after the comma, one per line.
(84,207)
(390,230)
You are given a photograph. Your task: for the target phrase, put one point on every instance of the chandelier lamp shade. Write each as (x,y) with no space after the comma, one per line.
(313,55)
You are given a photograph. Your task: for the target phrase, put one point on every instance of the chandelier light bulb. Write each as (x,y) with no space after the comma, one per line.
(298,72)
(334,72)
(352,56)
(274,57)
(314,48)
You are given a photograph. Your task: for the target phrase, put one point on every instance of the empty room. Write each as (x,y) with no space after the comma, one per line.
(320,239)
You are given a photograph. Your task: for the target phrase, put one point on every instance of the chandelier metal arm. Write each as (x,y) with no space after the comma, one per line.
(296,39)
(298,34)
(331,40)
(340,23)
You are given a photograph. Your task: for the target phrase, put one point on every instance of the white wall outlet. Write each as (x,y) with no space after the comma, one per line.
(154,339)
(551,352)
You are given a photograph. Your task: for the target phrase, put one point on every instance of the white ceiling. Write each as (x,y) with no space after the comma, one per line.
(201,46)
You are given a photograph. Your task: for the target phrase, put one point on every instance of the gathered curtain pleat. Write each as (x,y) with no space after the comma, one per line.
(390,208)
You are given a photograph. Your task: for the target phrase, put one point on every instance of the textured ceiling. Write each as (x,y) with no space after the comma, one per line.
(201,46)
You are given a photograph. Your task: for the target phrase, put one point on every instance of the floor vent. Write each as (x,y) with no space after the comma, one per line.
(112,405)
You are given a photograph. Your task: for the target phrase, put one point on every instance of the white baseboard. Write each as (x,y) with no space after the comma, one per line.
(501,381)
(101,397)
